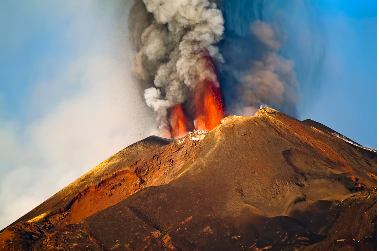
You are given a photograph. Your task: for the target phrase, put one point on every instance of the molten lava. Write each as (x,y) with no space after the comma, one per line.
(208,101)
(177,122)
(209,108)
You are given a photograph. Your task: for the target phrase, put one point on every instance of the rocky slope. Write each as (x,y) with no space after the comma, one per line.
(268,182)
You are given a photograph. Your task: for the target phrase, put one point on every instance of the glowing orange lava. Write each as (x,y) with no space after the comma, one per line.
(208,101)
(209,108)
(177,122)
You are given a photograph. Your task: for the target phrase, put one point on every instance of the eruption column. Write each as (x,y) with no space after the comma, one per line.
(174,62)
(179,43)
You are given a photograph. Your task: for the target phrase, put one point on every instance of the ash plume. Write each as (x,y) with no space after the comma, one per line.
(273,52)
(170,51)
(270,80)
(238,46)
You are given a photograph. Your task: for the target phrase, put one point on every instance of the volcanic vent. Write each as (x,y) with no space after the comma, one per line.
(268,182)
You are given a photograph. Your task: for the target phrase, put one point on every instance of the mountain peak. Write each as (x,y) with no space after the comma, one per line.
(267,182)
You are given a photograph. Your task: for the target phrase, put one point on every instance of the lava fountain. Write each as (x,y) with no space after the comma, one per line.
(207,109)
(178,122)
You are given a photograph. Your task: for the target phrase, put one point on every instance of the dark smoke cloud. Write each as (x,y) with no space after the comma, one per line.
(273,51)
(254,45)
(270,80)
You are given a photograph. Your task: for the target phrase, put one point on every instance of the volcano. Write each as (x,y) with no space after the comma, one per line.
(267,182)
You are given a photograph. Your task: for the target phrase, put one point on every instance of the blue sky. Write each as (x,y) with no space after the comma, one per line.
(67,97)
(346,100)
(68,101)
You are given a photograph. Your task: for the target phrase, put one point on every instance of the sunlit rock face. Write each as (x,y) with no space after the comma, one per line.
(264,182)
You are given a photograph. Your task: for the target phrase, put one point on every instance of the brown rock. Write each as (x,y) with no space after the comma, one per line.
(269,182)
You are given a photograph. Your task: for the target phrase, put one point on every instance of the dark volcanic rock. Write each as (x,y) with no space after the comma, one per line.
(268,182)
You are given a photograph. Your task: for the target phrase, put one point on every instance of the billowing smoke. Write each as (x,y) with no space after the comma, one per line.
(171,49)
(270,80)
(187,49)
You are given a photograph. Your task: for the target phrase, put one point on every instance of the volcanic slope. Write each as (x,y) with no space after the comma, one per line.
(268,182)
